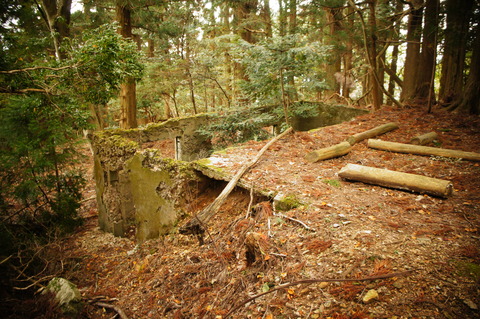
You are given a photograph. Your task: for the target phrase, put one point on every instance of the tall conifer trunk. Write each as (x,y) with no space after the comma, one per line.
(57,15)
(128,99)
(427,58)
(334,63)
(395,51)
(413,53)
(453,61)
(372,48)
(469,101)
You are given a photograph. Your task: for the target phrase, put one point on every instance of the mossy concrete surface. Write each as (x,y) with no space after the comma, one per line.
(140,189)
(160,189)
(328,115)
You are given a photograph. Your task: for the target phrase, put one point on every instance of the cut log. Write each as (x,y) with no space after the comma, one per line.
(424,139)
(196,225)
(398,180)
(329,152)
(422,150)
(379,130)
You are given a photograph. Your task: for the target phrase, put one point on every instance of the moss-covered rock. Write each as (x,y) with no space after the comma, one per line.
(66,295)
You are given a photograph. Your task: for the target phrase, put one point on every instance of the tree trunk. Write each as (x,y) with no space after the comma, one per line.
(292,17)
(267,18)
(413,53)
(453,62)
(151,48)
(348,56)
(292,28)
(57,14)
(399,180)
(128,99)
(334,63)
(427,66)
(128,104)
(372,48)
(469,101)
(282,17)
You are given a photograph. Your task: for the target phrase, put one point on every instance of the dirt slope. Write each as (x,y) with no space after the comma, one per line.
(359,231)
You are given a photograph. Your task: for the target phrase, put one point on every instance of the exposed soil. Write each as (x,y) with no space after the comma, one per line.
(350,230)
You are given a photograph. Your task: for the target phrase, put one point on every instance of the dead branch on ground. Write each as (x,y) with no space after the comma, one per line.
(312,281)
(117,309)
(194,226)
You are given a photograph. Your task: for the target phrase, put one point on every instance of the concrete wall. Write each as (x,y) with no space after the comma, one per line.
(139,189)
(328,115)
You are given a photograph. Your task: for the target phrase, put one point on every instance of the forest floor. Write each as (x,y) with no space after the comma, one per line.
(426,250)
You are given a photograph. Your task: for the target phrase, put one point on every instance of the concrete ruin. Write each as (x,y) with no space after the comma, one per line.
(140,189)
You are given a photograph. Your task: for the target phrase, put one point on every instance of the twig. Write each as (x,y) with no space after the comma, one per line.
(113,307)
(39,68)
(194,227)
(312,281)
(296,220)
(6,259)
(250,203)
(36,283)
(87,199)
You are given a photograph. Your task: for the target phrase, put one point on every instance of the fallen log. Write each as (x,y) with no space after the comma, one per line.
(424,139)
(329,152)
(379,130)
(398,180)
(196,225)
(422,150)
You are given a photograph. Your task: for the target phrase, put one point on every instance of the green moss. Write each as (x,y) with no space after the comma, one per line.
(207,163)
(468,269)
(287,203)
(332,182)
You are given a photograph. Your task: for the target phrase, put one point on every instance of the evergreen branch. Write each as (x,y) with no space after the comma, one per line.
(38,68)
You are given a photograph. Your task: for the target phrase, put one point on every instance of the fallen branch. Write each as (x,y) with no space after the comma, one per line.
(194,226)
(117,309)
(312,281)
(422,150)
(296,221)
(379,130)
(39,68)
(399,180)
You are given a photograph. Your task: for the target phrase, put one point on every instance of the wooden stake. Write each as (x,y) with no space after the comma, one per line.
(399,180)
(379,130)
(422,150)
